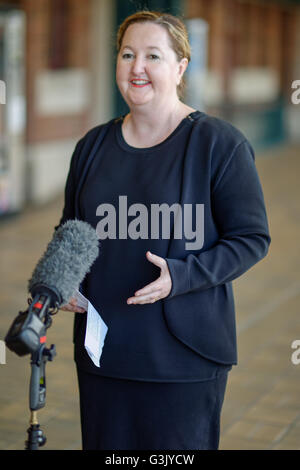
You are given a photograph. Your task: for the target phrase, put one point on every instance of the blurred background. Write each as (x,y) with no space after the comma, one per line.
(57,61)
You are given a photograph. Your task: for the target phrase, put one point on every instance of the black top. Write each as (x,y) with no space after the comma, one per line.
(219,173)
(121,191)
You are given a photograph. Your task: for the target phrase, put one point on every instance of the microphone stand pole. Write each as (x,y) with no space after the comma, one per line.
(37,393)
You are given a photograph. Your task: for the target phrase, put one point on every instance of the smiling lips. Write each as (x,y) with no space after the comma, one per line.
(140,83)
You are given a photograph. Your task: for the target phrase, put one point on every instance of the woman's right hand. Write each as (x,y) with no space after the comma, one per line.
(72,307)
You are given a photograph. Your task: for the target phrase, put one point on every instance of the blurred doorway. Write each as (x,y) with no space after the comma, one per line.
(12,111)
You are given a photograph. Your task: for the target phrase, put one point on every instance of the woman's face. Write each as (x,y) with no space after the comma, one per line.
(148,71)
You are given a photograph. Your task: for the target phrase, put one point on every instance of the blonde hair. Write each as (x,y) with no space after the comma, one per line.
(175,28)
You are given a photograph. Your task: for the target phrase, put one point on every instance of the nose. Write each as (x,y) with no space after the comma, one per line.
(138,65)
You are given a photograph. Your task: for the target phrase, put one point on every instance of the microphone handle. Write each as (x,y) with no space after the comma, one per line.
(37,387)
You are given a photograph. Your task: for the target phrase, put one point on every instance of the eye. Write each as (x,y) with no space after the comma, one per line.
(154,57)
(127,56)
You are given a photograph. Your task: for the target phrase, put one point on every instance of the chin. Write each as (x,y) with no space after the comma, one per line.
(132,99)
(137,101)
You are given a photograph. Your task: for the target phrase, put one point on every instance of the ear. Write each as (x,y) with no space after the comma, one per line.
(182,66)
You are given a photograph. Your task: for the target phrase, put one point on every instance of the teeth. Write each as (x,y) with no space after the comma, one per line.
(140,82)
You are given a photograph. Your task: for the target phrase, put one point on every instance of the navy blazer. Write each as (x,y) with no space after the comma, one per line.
(219,172)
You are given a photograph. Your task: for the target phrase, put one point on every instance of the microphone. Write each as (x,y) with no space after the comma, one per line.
(65,263)
(57,275)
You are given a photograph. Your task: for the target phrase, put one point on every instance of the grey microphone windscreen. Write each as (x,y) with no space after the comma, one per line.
(67,259)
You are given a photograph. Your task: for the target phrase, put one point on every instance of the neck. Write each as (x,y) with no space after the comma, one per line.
(142,119)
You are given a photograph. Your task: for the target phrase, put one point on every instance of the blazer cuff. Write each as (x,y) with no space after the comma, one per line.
(178,273)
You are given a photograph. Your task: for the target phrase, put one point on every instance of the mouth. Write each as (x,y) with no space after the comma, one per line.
(140,83)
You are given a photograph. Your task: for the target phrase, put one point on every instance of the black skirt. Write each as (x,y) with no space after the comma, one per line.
(119,414)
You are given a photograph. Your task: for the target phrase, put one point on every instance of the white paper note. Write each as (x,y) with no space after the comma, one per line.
(96,329)
(82,301)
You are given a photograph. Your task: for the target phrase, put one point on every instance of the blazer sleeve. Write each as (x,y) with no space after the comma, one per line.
(239,212)
(70,187)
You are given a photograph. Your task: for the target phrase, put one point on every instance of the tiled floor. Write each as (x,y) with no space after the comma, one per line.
(262,403)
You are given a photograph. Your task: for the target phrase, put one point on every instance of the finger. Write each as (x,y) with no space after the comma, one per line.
(146,300)
(72,308)
(79,310)
(73,301)
(149,298)
(148,289)
(157,260)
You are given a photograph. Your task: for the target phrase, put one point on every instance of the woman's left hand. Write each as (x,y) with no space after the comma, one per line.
(156,290)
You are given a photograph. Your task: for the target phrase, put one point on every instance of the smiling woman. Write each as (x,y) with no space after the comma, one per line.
(177,37)
(148,83)
(138,66)
(150,76)
(168,304)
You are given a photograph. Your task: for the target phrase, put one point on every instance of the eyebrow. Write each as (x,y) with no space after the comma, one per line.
(148,47)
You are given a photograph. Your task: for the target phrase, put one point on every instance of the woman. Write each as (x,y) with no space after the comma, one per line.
(167,300)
